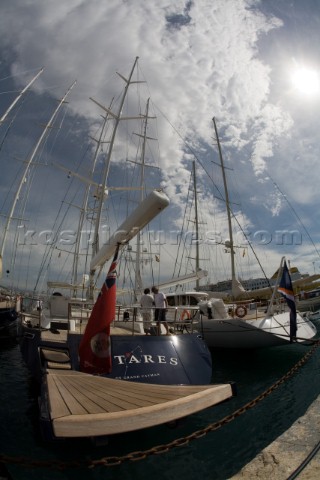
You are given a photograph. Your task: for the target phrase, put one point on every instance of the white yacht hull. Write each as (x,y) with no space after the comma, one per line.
(267,332)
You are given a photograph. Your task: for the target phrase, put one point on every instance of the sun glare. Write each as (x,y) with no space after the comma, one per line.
(306,81)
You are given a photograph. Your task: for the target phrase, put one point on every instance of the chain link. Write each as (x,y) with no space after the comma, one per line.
(160,449)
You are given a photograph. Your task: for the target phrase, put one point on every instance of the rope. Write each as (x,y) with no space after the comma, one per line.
(160,449)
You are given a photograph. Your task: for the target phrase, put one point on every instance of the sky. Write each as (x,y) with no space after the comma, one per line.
(252,65)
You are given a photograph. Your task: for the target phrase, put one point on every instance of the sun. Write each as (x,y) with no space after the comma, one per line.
(306,81)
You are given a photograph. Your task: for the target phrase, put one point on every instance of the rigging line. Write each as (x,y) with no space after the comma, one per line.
(9,91)
(12,187)
(251,247)
(29,178)
(204,169)
(127,273)
(245,236)
(47,255)
(181,230)
(1,145)
(189,147)
(194,154)
(295,213)
(50,248)
(151,261)
(17,111)
(216,186)
(21,73)
(21,215)
(58,130)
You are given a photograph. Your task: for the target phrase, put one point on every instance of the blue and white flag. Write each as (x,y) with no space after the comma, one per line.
(286,289)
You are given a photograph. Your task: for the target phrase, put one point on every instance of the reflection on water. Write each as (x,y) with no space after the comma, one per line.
(218,455)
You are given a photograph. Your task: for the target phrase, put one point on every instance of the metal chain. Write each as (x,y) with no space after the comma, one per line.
(160,449)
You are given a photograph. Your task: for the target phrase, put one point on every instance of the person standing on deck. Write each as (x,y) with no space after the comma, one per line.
(146,302)
(161,304)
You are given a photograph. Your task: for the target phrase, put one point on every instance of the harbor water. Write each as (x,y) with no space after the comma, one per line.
(218,454)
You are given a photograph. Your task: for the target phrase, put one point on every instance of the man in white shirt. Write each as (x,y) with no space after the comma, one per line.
(161,305)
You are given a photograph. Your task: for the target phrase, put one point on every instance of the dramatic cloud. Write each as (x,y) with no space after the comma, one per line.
(200,59)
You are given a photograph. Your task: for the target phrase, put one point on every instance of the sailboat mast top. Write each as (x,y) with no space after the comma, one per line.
(4,116)
(117,117)
(28,164)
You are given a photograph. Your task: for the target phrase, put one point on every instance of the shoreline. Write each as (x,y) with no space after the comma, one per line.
(282,457)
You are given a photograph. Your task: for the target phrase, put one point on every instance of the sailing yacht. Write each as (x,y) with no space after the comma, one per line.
(243,323)
(98,379)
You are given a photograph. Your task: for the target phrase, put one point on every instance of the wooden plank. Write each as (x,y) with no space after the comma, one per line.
(84,405)
(122,394)
(110,397)
(144,417)
(136,394)
(78,396)
(55,387)
(122,385)
(110,400)
(57,405)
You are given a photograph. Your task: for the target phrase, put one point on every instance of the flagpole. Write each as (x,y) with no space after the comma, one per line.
(115,257)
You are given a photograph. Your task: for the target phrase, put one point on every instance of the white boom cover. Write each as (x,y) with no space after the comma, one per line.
(148,209)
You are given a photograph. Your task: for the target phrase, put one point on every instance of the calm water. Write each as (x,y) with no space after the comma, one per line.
(218,455)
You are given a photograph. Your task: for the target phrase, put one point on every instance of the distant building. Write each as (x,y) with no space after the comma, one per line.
(225,285)
(250,284)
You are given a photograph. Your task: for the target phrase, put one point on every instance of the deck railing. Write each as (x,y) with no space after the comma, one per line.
(178,319)
(254,310)
(130,318)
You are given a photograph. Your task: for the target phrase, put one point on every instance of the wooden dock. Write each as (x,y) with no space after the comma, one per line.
(83,405)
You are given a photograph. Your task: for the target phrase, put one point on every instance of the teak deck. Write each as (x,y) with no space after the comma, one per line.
(83,405)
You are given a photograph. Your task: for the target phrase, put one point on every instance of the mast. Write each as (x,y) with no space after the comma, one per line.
(196,219)
(117,117)
(137,281)
(233,272)
(85,206)
(143,165)
(28,164)
(20,95)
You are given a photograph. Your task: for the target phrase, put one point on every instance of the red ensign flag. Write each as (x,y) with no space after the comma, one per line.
(95,349)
